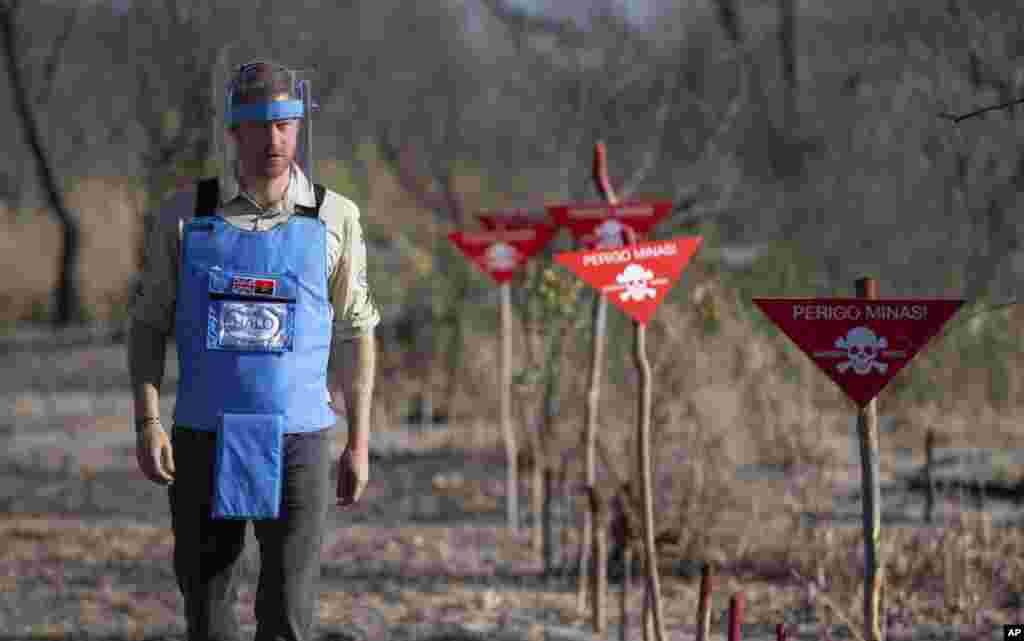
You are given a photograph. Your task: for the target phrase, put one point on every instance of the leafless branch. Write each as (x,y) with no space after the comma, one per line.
(971,114)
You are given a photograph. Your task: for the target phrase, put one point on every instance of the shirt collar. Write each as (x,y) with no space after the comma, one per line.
(299,190)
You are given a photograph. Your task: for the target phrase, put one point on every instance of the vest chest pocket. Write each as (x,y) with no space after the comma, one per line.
(250,312)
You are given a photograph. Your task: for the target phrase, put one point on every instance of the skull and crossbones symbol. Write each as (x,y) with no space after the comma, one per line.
(635,279)
(501,257)
(862,349)
(609,233)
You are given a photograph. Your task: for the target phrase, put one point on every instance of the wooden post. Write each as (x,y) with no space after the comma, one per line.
(648,615)
(867,428)
(644,438)
(593,539)
(929,460)
(736,617)
(511,454)
(704,604)
(599,584)
(653,591)
(627,576)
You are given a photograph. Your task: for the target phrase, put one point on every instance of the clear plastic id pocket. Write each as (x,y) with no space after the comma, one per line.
(250,312)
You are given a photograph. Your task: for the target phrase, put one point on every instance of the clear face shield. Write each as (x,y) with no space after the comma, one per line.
(266,91)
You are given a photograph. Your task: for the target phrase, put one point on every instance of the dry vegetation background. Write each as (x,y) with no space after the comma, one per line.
(867,182)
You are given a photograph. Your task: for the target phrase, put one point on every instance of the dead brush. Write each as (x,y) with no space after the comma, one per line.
(959,575)
(705,496)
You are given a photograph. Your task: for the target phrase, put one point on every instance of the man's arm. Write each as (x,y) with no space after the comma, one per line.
(152,314)
(352,369)
(147,353)
(147,350)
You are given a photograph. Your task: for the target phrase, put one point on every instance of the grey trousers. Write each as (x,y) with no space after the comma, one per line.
(207,551)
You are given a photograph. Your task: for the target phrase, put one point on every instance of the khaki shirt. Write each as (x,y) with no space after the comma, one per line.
(355,314)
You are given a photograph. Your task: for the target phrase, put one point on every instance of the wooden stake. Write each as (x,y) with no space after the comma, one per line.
(627,577)
(867,428)
(599,587)
(704,604)
(593,539)
(511,453)
(644,437)
(653,591)
(648,616)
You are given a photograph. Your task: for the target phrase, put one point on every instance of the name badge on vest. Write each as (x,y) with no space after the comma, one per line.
(250,312)
(247,476)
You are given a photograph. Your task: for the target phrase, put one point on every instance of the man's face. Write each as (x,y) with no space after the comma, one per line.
(266,149)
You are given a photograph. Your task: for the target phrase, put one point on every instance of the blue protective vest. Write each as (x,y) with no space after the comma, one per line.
(253,322)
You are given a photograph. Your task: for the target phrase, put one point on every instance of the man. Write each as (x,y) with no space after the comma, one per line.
(262,277)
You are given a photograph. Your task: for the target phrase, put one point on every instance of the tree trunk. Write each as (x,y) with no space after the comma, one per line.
(67,296)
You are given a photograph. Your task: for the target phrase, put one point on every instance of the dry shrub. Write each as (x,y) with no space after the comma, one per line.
(948,575)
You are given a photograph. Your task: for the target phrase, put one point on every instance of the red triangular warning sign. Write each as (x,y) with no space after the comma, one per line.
(500,253)
(860,344)
(633,277)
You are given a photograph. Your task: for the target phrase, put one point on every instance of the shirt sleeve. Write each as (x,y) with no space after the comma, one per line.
(355,312)
(154,296)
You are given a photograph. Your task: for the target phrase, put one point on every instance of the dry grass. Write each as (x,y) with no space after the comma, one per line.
(49,539)
(731,397)
(724,396)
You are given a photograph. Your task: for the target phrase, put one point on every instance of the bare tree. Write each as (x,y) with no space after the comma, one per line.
(176,56)
(68,296)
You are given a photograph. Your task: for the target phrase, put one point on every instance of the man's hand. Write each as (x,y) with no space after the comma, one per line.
(353,475)
(153,452)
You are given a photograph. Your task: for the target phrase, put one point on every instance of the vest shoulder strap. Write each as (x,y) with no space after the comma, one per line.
(207,197)
(313,212)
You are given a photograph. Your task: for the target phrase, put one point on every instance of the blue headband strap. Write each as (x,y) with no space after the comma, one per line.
(277,110)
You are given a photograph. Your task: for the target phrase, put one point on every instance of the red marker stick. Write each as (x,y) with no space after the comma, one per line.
(735,616)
